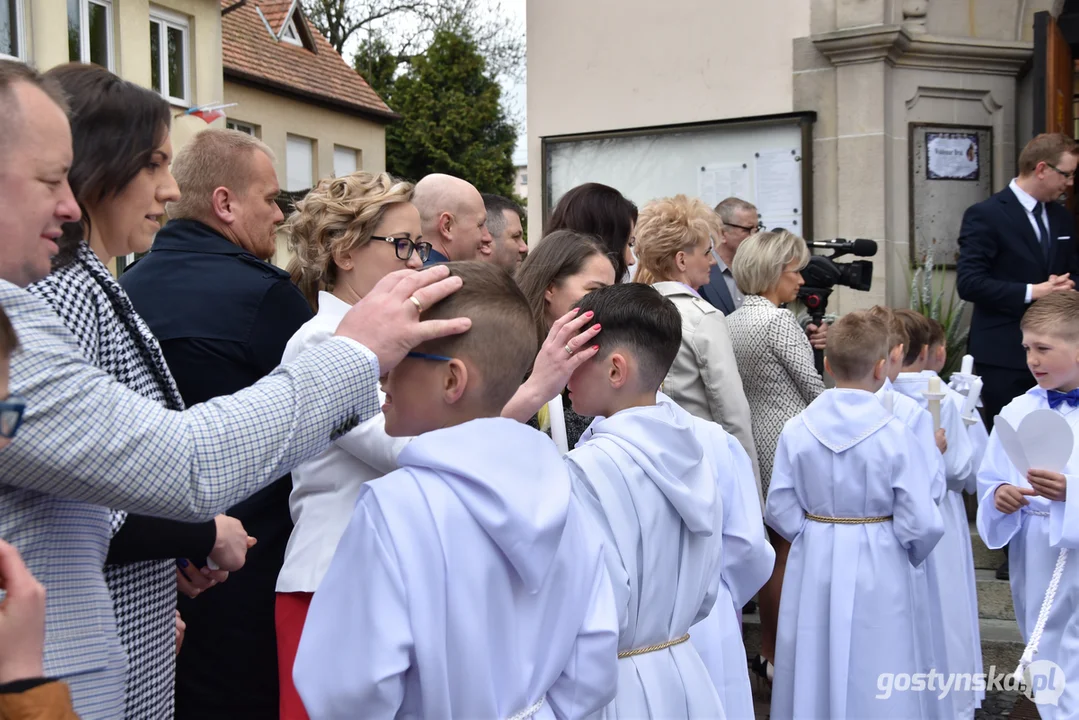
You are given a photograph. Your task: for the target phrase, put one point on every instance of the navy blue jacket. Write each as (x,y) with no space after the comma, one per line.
(223,318)
(999,255)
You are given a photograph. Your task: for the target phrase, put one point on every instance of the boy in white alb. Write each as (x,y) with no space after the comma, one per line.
(1036,514)
(952,559)
(650,475)
(850,490)
(935,361)
(469,582)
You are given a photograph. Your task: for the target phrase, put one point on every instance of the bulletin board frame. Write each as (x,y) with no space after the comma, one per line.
(918,181)
(803,121)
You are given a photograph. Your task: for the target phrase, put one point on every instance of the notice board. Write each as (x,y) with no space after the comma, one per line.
(765,160)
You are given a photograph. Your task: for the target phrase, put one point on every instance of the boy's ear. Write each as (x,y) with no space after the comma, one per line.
(878,370)
(828,367)
(618,370)
(455,381)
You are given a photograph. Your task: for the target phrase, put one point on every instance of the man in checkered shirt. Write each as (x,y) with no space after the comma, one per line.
(88,443)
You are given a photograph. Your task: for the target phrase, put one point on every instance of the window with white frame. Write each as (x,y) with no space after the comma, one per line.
(90,32)
(299,163)
(170,62)
(345,160)
(242,127)
(11,29)
(291,34)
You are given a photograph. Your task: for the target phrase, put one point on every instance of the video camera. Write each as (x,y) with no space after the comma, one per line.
(823,273)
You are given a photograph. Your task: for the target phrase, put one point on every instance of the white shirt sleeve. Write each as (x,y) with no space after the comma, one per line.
(1030,294)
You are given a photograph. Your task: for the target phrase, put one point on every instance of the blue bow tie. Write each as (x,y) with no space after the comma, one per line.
(1057,398)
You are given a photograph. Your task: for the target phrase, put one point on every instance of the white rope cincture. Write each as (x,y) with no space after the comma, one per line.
(1043,615)
(529,711)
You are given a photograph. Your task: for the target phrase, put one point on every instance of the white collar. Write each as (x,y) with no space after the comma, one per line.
(331,306)
(1027,200)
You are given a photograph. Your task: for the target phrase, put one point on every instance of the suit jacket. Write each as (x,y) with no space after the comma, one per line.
(704,378)
(999,255)
(88,443)
(717,293)
(238,314)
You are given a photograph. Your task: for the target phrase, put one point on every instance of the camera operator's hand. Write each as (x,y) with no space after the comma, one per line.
(1055,283)
(818,336)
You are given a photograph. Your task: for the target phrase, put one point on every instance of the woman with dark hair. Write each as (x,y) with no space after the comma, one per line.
(563,268)
(120,177)
(602,211)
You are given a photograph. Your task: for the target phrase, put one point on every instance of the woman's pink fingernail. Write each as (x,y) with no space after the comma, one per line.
(597,326)
(589,314)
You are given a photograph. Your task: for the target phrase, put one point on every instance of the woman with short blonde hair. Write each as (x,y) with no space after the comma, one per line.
(347,234)
(778,376)
(674,252)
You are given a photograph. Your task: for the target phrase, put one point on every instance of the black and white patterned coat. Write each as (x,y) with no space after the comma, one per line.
(115,339)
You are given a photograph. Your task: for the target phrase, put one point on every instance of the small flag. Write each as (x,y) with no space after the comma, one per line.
(208,113)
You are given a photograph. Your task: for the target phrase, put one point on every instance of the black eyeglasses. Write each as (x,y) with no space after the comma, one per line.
(756,228)
(429,356)
(405,247)
(11,411)
(1067,175)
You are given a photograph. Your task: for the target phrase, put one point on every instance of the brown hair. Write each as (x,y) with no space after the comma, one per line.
(338,216)
(856,343)
(9,339)
(936,333)
(116,126)
(1045,148)
(600,211)
(1056,314)
(13,72)
(560,255)
(668,226)
(213,158)
(917,330)
(502,341)
(897,333)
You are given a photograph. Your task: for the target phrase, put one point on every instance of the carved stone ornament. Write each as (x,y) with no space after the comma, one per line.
(915,13)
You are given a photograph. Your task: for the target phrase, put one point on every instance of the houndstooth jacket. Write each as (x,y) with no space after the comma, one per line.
(114,338)
(88,443)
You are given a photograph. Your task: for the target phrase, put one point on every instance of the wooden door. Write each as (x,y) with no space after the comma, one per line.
(1054,81)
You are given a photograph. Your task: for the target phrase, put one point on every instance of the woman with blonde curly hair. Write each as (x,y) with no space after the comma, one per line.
(347,234)
(674,251)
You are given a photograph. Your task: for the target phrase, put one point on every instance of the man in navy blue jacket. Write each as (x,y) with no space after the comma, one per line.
(223,316)
(1014,248)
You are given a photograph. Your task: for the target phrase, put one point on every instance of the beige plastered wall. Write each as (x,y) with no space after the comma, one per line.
(614,64)
(276,117)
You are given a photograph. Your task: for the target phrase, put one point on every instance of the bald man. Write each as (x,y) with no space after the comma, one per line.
(453,219)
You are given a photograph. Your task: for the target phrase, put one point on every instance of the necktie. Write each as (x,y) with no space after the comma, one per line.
(1042,230)
(1057,398)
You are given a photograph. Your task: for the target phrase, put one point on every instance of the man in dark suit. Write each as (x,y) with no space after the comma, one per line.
(223,316)
(1014,248)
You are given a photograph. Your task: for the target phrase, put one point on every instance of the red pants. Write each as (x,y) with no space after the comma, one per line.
(291,612)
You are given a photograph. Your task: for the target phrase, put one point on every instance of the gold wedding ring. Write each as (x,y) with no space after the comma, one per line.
(417,303)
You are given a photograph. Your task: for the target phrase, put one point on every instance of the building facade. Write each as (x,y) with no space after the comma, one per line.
(867,74)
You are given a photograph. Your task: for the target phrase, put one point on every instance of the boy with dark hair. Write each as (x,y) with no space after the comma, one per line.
(850,491)
(676,500)
(952,562)
(469,582)
(1036,513)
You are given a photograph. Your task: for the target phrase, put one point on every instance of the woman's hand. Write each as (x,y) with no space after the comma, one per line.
(565,349)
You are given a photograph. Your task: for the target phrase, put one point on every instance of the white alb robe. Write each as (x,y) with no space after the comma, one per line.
(1033,542)
(850,606)
(469,584)
(976,433)
(652,490)
(953,559)
(748,560)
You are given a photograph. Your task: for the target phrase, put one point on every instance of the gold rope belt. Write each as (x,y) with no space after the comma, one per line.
(847,521)
(653,648)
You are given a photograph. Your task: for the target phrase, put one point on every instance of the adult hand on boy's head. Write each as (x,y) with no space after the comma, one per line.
(387,320)
(22,619)
(1009,498)
(941,438)
(1050,485)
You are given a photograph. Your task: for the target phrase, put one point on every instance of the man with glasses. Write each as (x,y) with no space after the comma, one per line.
(1014,248)
(739,220)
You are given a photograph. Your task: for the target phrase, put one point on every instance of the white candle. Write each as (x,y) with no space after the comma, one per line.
(558,424)
(934,397)
(971,401)
(968,365)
